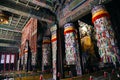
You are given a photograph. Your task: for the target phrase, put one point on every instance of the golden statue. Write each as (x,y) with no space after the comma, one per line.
(89,58)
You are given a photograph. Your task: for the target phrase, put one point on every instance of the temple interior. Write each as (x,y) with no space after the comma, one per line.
(59,40)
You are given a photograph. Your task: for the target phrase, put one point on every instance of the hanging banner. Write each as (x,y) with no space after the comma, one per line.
(46,51)
(2,59)
(33,59)
(54,49)
(7,58)
(70,44)
(12,58)
(106,41)
(72,47)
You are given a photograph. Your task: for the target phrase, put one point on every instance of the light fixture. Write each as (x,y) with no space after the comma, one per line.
(4,19)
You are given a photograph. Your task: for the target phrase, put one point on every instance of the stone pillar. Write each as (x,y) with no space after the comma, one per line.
(54,50)
(106,41)
(46,53)
(71,47)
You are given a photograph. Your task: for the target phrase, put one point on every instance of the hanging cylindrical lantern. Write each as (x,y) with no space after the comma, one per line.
(54,49)
(104,34)
(70,44)
(46,52)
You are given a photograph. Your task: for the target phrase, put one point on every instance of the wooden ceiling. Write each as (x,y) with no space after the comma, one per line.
(20,12)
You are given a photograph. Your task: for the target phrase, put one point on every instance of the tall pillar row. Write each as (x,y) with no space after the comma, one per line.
(106,41)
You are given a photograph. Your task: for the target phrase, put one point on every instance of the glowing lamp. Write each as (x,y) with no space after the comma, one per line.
(4,19)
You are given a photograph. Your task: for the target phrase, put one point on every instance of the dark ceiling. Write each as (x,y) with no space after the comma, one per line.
(20,11)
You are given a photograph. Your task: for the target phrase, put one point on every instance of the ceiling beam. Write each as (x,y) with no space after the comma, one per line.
(41,4)
(9,29)
(10,20)
(41,14)
(18,21)
(8,45)
(9,49)
(10,41)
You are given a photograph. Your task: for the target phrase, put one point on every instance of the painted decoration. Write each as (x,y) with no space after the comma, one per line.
(7,58)
(46,51)
(76,9)
(54,49)
(75,4)
(12,58)
(106,41)
(72,47)
(70,44)
(33,59)
(2,59)
(29,32)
